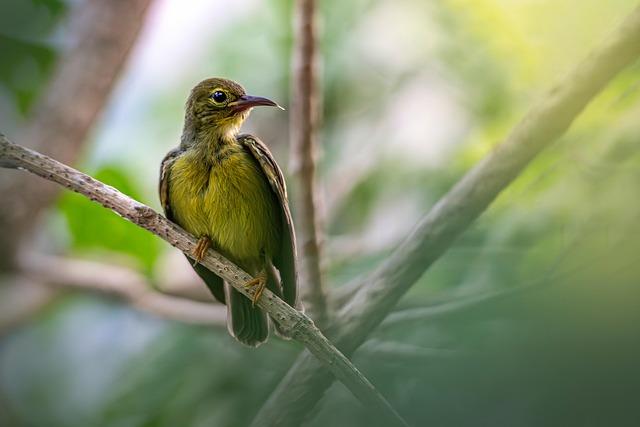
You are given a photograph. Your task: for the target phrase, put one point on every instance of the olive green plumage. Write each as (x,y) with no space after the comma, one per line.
(228,188)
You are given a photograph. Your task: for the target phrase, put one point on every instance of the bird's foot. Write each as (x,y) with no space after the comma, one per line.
(198,253)
(260,281)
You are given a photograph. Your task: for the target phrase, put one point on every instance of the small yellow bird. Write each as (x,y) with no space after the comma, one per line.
(227,190)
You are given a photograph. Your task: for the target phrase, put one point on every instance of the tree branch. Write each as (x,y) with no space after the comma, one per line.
(103,33)
(292,322)
(304,129)
(378,293)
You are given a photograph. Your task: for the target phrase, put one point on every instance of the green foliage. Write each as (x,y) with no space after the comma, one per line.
(24,70)
(27,55)
(95,228)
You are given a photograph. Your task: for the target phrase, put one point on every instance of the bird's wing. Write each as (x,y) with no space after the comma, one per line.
(213,281)
(285,259)
(163,188)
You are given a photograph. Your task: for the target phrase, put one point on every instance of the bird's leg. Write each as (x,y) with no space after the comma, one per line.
(261,282)
(198,253)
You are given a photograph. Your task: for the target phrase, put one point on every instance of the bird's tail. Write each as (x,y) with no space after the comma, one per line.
(246,323)
(249,324)
(274,283)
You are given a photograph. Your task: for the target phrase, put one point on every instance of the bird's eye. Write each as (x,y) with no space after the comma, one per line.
(219,96)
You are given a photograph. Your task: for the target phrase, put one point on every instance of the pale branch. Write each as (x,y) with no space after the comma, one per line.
(455,305)
(400,318)
(303,386)
(293,322)
(553,274)
(102,35)
(400,353)
(305,109)
(122,283)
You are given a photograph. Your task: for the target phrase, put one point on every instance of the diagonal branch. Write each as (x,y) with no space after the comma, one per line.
(378,293)
(304,129)
(293,322)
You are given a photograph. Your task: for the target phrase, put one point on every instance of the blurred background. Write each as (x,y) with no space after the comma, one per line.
(530,319)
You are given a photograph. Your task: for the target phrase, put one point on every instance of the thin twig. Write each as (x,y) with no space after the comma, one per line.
(122,283)
(293,322)
(304,134)
(378,292)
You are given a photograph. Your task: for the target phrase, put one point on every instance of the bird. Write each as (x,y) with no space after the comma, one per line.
(227,190)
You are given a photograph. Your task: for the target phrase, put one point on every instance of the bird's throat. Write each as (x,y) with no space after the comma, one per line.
(209,139)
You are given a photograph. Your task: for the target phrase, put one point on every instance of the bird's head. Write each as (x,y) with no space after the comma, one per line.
(221,105)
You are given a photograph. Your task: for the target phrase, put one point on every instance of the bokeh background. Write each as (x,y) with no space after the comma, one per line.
(530,319)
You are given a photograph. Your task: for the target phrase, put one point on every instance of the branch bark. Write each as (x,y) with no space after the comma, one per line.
(304,134)
(378,293)
(294,323)
(103,33)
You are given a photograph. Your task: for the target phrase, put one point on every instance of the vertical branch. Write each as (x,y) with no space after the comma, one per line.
(303,130)
(103,33)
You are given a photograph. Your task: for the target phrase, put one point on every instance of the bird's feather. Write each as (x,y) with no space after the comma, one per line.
(285,259)
(229,189)
(212,280)
(248,324)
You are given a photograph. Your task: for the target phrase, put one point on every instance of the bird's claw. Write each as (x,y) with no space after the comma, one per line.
(261,282)
(203,245)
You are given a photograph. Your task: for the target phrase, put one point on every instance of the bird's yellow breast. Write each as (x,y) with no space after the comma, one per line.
(229,200)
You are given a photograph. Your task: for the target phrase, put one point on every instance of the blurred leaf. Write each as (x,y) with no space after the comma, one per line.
(24,69)
(30,20)
(55,6)
(94,227)
(27,54)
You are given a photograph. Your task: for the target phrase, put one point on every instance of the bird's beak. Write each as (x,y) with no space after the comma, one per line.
(247,101)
